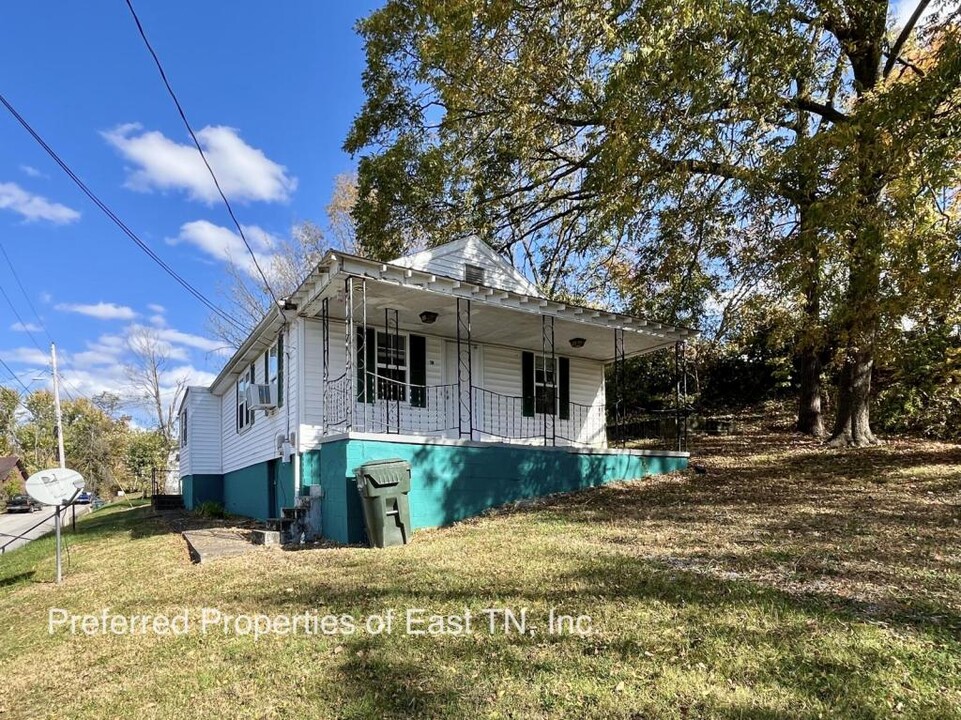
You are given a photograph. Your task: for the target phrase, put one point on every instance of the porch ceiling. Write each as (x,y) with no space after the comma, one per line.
(497,325)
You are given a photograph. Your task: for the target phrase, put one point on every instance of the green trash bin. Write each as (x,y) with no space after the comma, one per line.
(383,486)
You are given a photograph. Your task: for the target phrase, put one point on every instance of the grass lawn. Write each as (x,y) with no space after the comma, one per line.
(788,582)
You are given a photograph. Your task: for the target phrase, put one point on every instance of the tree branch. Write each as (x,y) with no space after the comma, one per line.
(828,112)
(903,37)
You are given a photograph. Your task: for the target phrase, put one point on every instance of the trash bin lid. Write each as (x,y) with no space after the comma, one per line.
(385,473)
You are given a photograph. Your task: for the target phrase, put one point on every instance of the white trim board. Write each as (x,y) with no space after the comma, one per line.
(428,440)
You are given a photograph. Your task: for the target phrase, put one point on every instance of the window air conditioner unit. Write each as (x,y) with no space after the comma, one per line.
(261,397)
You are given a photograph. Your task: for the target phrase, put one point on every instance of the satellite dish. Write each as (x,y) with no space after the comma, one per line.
(55,486)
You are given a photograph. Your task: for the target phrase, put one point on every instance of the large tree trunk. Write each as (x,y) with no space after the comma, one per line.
(852,425)
(809,417)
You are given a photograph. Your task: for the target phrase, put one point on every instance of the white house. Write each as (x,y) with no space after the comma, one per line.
(449,358)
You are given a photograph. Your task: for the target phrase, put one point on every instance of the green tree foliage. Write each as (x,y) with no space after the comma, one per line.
(653,140)
(99,441)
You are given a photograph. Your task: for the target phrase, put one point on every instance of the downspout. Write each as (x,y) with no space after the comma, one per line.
(301,392)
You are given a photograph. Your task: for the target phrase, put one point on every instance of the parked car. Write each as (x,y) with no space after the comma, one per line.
(23,503)
(84,498)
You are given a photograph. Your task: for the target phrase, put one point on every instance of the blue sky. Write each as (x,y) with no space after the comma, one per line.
(271,90)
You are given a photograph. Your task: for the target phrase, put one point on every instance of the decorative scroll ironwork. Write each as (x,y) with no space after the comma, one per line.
(325,352)
(393,391)
(465,378)
(619,378)
(349,349)
(549,368)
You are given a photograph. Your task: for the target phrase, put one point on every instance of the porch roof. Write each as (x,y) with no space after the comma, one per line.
(497,316)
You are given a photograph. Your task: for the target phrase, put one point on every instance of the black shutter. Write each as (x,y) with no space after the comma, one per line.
(418,371)
(527,383)
(280,369)
(367,366)
(565,387)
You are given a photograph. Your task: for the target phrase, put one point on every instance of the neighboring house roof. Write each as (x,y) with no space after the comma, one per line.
(10,463)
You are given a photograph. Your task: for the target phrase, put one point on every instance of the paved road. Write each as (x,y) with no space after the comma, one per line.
(17,524)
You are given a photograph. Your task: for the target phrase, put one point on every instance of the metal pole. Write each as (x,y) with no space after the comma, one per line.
(63,459)
(349,351)
(56,523)
(325,348)
(56,404)
(73,519)
(677,394)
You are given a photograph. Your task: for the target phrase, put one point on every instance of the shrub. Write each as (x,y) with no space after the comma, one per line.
(211,509)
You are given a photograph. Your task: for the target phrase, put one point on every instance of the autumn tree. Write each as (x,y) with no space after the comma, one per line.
(649,136)
(153,384)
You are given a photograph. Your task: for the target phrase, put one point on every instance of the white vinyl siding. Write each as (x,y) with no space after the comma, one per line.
(201,453)
(496,369)
(258,442)
(451,261)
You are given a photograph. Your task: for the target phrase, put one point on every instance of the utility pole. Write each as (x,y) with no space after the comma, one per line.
(63,459)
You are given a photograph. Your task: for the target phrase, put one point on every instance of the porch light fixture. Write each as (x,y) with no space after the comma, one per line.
(577,342)
(427,317)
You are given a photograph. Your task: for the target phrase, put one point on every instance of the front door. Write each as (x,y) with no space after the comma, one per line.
(477,380)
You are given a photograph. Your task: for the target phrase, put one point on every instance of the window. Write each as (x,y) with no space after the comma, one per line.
(391,367)
(545,385)
(183,428)
(245,416)
(474,274)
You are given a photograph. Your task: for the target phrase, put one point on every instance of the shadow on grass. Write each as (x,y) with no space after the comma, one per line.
(732,631)
(16,578)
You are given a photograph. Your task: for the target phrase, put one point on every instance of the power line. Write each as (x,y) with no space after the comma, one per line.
(23,325)
(117,221)
(193,136)
(26,296)
(15,376)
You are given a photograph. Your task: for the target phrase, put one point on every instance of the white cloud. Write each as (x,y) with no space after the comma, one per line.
(34,207)
(31,171)
(25,327)
(154,307)
(227,246)
(244,172)
(46,298)
(176,337)
(26,356)
(101,310)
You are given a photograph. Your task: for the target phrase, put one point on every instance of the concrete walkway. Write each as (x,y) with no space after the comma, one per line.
(213,543)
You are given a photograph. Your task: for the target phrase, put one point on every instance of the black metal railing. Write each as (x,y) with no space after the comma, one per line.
(665,429)
(394,406)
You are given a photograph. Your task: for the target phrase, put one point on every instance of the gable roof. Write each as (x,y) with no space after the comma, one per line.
(451,259)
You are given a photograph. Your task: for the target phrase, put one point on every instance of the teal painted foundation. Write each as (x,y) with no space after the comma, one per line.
(453,482)
(243,492)
(199,489)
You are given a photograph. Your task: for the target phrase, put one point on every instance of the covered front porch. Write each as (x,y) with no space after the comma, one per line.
(405,352)
(412,353)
